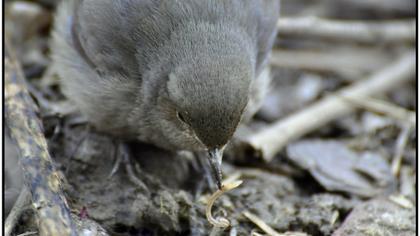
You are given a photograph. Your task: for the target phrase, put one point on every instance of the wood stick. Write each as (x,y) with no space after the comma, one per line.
(360,31)
(407,7)
(28,233)
(399,149)
(274,137)
(16,212)
(385,108)
(344,61)
(266,228)
(41,178)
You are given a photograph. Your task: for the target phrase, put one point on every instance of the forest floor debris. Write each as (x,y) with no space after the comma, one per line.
(363,181)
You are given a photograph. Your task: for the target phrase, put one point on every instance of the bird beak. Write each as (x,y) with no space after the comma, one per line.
(215,159)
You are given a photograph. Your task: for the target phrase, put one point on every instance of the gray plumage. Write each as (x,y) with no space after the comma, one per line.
(180,74)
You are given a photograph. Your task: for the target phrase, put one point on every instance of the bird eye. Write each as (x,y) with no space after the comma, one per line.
(180,117)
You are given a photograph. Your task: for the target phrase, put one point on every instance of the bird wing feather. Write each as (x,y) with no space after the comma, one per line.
(120,36)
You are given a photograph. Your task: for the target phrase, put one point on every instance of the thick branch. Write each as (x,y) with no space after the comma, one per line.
(273,138)
(41,178)
(372,32)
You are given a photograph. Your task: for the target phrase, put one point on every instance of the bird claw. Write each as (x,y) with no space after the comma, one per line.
(116,166)
(123,157)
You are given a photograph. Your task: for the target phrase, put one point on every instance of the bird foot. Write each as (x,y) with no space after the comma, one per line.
(123,157)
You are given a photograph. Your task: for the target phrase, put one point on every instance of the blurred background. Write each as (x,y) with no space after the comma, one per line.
(352,173)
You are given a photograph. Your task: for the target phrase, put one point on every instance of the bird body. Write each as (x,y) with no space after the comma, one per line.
(177,74)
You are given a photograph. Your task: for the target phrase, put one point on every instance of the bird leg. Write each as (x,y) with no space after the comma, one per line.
(123,157)
(84,136)
(117,162)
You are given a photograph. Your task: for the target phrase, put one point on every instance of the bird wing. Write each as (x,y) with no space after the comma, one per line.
(105,33)
(267,16)
(120,35)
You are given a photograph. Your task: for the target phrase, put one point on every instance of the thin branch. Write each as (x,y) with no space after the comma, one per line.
(372,32)
(399,150)
(408,181)
(401,201)
(378,6)
(266,228)
(274,137)
(384,108)
(26,130)
(16,212)
(28,233)
(350,62)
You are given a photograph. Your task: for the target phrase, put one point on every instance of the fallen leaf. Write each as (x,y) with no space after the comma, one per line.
(338,168)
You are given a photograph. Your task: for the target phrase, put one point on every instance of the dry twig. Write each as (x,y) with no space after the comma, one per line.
(16,211)
(274,137)
(407,181)
(348,62)
(377,6)
(28,233)
(372,32)
(384,108)
(401,201)
(266,228)
(41,178)
(399,150)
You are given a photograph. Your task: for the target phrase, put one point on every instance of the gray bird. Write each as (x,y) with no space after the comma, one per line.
(179,74)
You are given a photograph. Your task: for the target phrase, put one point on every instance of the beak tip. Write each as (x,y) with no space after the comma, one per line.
(219,181)
(215,158)
(219,186)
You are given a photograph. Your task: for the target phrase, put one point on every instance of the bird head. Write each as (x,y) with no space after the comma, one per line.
(210,98)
